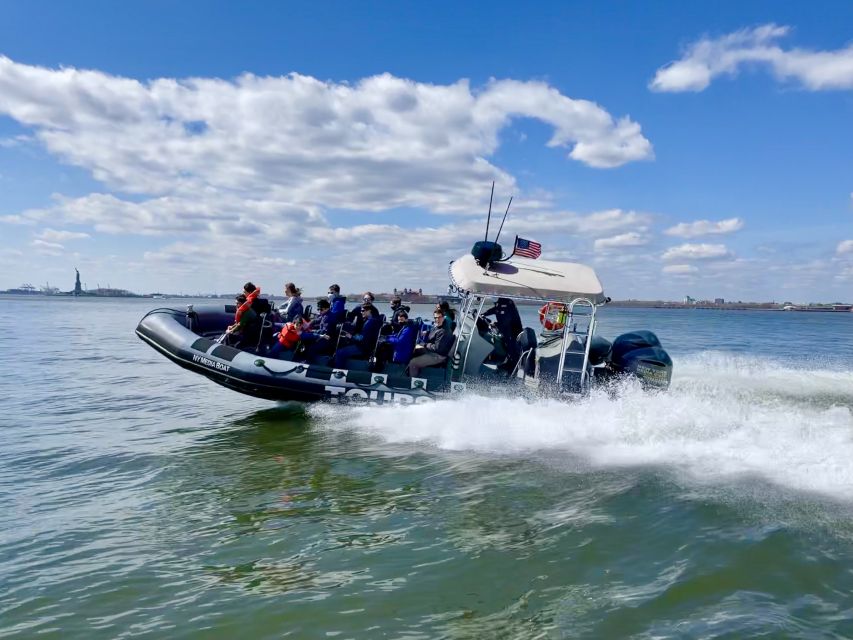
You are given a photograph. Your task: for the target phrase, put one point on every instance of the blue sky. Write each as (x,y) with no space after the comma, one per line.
(678,149)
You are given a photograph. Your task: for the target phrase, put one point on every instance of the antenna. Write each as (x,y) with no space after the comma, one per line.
(504,220)
(489,217)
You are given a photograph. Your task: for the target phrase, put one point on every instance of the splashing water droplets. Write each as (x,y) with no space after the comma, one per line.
(725,418)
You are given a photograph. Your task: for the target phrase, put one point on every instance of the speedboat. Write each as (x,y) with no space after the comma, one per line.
(561,358)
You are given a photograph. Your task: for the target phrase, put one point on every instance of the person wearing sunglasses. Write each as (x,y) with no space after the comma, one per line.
(437,346)
(398,347)
(355,320)
(362,343)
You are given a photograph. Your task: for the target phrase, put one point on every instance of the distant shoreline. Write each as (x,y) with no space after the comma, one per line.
(435,299)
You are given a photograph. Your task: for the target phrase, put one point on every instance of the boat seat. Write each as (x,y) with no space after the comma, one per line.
(357,364)
(527,342)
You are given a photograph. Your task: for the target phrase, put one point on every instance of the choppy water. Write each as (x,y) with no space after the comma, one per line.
(139,500)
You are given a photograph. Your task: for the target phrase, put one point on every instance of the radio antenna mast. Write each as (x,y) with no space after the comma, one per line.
(504,220)
(489,217)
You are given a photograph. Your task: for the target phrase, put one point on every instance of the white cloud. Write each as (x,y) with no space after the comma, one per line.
(705,227)
(48,248)
(591,224)
(680,269)
(703,251)
(380,143)
(17,219)
(631,239)
(844,247)
(53,235)
(708,58)
(14,141)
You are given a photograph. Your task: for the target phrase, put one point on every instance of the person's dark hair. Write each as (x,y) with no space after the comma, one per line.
(322,303)
(369,307)
(444,307)
(249,287)
(369,294)
(402,312)
(292,287)
(335,287)
(241,298)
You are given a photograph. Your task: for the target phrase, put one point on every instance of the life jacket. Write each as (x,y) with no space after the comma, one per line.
(289,336)
(250,298)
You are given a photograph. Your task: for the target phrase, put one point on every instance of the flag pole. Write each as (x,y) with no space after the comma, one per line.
(514,245)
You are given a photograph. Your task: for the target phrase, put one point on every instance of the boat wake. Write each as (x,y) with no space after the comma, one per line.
(726,419)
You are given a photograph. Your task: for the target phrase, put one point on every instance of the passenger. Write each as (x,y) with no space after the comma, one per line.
(355,320)
(509,325)
(448,312)
(397,348)
(249,295)
(363,343)
(288,337)
(293,307)
(437,346)
(338,308)
(245,321)
(397,306)
(316,338)
(321,318)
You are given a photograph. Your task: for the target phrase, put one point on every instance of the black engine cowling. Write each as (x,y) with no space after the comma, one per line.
(640,354)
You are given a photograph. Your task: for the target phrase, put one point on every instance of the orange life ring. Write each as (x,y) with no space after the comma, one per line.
(552,315)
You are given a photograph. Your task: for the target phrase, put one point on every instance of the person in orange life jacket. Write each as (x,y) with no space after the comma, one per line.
(288,337)
(362,343)
(239,332)
(437,346)
(244,304)
(397,348)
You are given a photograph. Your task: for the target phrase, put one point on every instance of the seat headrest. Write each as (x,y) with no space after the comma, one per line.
(527,339)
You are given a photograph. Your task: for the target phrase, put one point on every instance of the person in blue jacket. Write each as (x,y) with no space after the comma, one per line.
(316,338)
(363,343)
(397,348)
(337,310)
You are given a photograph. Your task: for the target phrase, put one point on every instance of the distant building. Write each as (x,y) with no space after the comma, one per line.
(78,288)
(689,300)
(719,301)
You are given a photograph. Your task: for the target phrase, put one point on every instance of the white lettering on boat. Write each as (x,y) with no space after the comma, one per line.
(337,394)
(213,364)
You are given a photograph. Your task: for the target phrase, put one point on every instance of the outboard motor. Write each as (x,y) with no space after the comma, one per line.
(599,350)
(640,354)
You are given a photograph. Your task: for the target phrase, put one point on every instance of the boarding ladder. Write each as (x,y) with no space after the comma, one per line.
(573,374)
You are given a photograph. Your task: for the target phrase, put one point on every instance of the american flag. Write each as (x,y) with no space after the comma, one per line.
(527,248)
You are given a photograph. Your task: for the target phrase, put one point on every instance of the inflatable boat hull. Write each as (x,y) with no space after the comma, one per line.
(188,339)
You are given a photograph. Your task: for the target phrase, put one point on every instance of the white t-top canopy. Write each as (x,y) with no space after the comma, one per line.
(520,277)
